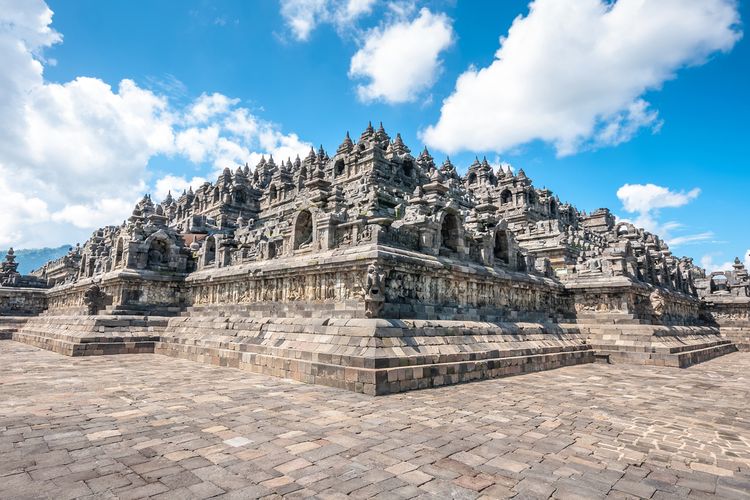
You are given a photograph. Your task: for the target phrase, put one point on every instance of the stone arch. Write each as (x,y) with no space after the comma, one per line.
(472,179)
(304,229)
(622,228)
(408,168)
(157,255)
(209,251)
(450,232)
(531,196)
(84,269)
(552,208)
(239,196)
(119,252)
(718,282)
(272,193)
(506,197)
(502,246)
(339,168)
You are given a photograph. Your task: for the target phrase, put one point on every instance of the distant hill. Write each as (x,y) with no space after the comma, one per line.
(33,258)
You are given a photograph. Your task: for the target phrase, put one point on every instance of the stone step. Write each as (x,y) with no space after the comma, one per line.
(682,359)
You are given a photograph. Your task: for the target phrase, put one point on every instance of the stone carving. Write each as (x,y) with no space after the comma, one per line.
(374,291)
(658,305)
(94,298)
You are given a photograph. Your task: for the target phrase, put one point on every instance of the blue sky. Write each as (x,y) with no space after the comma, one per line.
(298,84)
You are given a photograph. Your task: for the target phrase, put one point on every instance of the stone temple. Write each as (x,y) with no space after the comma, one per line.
(377,271)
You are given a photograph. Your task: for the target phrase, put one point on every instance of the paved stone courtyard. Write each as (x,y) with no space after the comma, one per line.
(134,426)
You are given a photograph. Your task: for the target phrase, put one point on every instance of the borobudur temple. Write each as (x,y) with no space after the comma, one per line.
(377,271)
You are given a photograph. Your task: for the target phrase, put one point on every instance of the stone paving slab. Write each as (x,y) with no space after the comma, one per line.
(140,426)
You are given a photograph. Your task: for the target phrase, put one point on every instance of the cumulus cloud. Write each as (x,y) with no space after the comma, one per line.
(710,265)
(176,184)
(75,156)
(402,59)
(647,197)
(646,200)
(303,16)
(208,106)
(574,74)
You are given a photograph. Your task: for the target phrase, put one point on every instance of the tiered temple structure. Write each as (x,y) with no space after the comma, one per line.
(379,271)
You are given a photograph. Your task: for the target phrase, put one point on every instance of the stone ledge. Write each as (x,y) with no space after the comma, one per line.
(370,356)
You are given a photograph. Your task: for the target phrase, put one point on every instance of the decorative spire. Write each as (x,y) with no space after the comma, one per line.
(310,156)
(368,132)
(346,146)
(398,145)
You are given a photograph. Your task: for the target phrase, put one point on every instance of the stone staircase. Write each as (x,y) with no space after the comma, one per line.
(628,340)
(10,325)
(92,335)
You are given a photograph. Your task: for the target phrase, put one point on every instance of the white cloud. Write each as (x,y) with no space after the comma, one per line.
(176,185)
(75,156)
(647,197)
(646,201)
(103,212)
(303,16)
(402,59)
(574,73)
(208,106)
(689,239)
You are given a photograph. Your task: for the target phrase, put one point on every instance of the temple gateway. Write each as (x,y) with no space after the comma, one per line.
(377,271)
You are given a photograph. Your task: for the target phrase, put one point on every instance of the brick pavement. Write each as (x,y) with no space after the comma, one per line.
(134,426)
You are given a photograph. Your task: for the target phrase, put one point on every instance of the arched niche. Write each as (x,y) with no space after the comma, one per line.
(209,252)
(450,232)
(158,253)
(339,168)
(408,168)
(119,251)
(502,247)
(506,197)
(84,266)
(303,229)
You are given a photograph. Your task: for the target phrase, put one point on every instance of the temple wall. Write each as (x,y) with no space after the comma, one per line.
(21,301)
(731,312)
(124,290)
(417,287)
(732,315)
(637,301)
(414,287)
(320,285)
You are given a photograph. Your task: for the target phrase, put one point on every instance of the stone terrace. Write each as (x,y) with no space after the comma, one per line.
(124,426)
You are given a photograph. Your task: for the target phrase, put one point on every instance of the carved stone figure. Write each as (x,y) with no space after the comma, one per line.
(374,291)
(94,299)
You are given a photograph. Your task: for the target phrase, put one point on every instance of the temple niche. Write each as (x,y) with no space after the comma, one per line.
(303,230)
